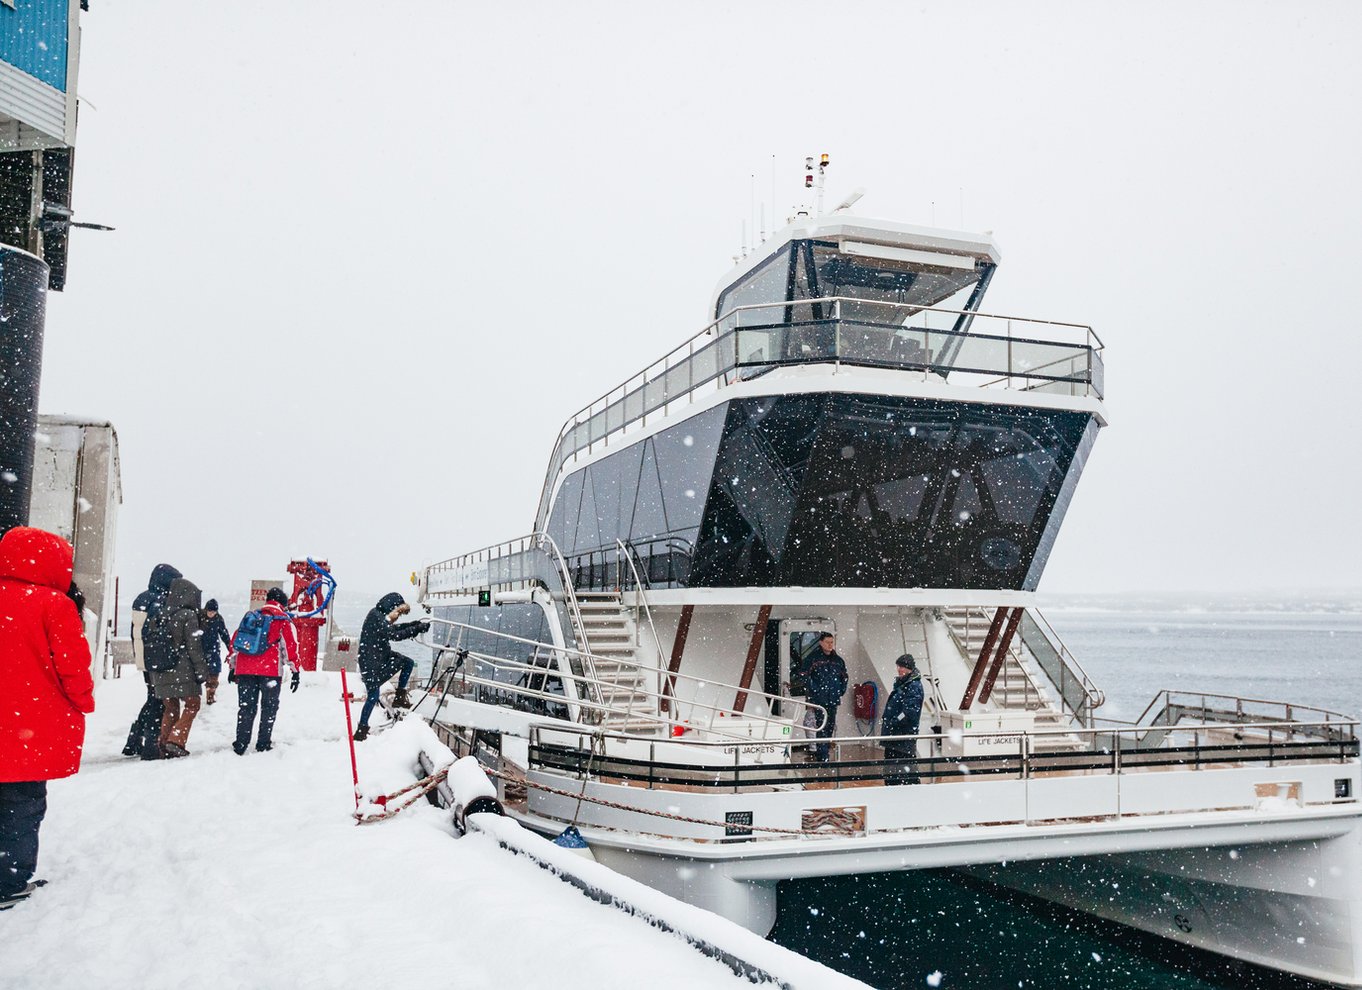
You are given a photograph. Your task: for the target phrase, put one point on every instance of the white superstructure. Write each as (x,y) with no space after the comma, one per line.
(854,446)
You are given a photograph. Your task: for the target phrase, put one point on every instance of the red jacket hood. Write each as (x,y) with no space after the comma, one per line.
(36,557)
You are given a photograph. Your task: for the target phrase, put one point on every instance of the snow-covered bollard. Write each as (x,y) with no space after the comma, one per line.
(474,794)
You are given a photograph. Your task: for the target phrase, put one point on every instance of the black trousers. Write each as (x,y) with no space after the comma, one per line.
(252,691)
(146,728)
(22,806)
(904,768)
(827,732)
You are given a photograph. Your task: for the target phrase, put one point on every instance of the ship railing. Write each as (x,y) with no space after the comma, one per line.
(595,694)
(628,551)
(1077,694)
(1008,352)
(1171,708)
(664,561)
(858,761)
(517,564)
(1078,691)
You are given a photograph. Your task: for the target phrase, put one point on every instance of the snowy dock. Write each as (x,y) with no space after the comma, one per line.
(253,870)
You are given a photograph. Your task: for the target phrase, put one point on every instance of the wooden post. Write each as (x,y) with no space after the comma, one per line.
(1000,655)
(977,675)
(678,647)
(749,669)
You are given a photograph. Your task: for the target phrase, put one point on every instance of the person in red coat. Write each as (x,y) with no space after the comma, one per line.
(257,676)
(45,693)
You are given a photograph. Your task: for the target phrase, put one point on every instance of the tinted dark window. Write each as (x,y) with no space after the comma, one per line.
(650,516)
(563,520)
(588,527)
(685,464)
(768,283)
(848,491)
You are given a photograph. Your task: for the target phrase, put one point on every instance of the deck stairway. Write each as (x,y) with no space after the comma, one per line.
(1021,684)
(612,637)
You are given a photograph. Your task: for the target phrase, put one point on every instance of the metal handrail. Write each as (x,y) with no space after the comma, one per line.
(1166,695)
(643,599)
(519,691)
(1294,728)
(1096,696)
(545,648)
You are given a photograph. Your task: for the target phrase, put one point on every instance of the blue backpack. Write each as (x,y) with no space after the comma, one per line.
(253,635)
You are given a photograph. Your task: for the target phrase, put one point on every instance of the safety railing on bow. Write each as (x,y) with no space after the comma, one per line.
(688,710)
(997,352)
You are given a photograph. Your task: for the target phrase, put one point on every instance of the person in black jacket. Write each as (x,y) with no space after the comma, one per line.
(826,682)
(144,735)
(214,631)
(902,715)
(378,661)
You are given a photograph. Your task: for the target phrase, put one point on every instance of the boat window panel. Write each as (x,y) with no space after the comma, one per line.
(854,491)
(650,515)
(563,518)
(877,280)
(605,483)
(479,639)
(588,536)
(1017,481)
(769,282)
(628,460)
(685,461)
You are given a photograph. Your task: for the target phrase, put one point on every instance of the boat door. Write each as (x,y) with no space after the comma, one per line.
(798,643)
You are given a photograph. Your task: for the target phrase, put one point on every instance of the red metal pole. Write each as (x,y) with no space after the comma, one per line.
(350,735)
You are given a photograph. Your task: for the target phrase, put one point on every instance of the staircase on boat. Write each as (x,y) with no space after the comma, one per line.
(1021,684)
(628,689)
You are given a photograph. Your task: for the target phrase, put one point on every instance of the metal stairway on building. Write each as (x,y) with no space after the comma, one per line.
(627,689)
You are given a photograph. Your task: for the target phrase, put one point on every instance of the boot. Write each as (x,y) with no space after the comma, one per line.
(362,733)
(400,698)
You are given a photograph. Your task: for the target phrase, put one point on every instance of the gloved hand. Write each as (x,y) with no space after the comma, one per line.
(293,684)
(425,625)
(231,677)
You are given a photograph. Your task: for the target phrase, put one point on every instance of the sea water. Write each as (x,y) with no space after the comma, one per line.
(939,929)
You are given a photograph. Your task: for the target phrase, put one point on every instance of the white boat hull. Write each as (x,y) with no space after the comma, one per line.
(1282,891)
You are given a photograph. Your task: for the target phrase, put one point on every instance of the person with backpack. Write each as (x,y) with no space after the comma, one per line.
(378,661)
(262,641)
(145,732)
(902,717)
(214,631)
(179,677)
(45,693)
(826,683)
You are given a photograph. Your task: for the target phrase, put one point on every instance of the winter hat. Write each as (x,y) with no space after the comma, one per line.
(211,605)
(277,596)
(907,661)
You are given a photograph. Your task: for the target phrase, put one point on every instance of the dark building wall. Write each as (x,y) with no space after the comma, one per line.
(23,309)
(828,490)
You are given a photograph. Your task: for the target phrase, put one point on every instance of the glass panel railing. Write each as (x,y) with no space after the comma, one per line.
(1072,692)
(1077,691)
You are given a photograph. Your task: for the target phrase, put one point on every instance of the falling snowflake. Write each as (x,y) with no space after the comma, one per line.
(934,978)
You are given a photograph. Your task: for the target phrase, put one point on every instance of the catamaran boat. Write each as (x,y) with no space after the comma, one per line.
(852,445)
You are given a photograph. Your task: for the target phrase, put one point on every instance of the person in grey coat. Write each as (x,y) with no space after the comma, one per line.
(179,688)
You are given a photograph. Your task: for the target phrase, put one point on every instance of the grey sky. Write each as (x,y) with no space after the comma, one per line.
(370,255)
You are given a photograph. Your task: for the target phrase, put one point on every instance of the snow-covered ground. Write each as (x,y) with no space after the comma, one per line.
(226,871)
